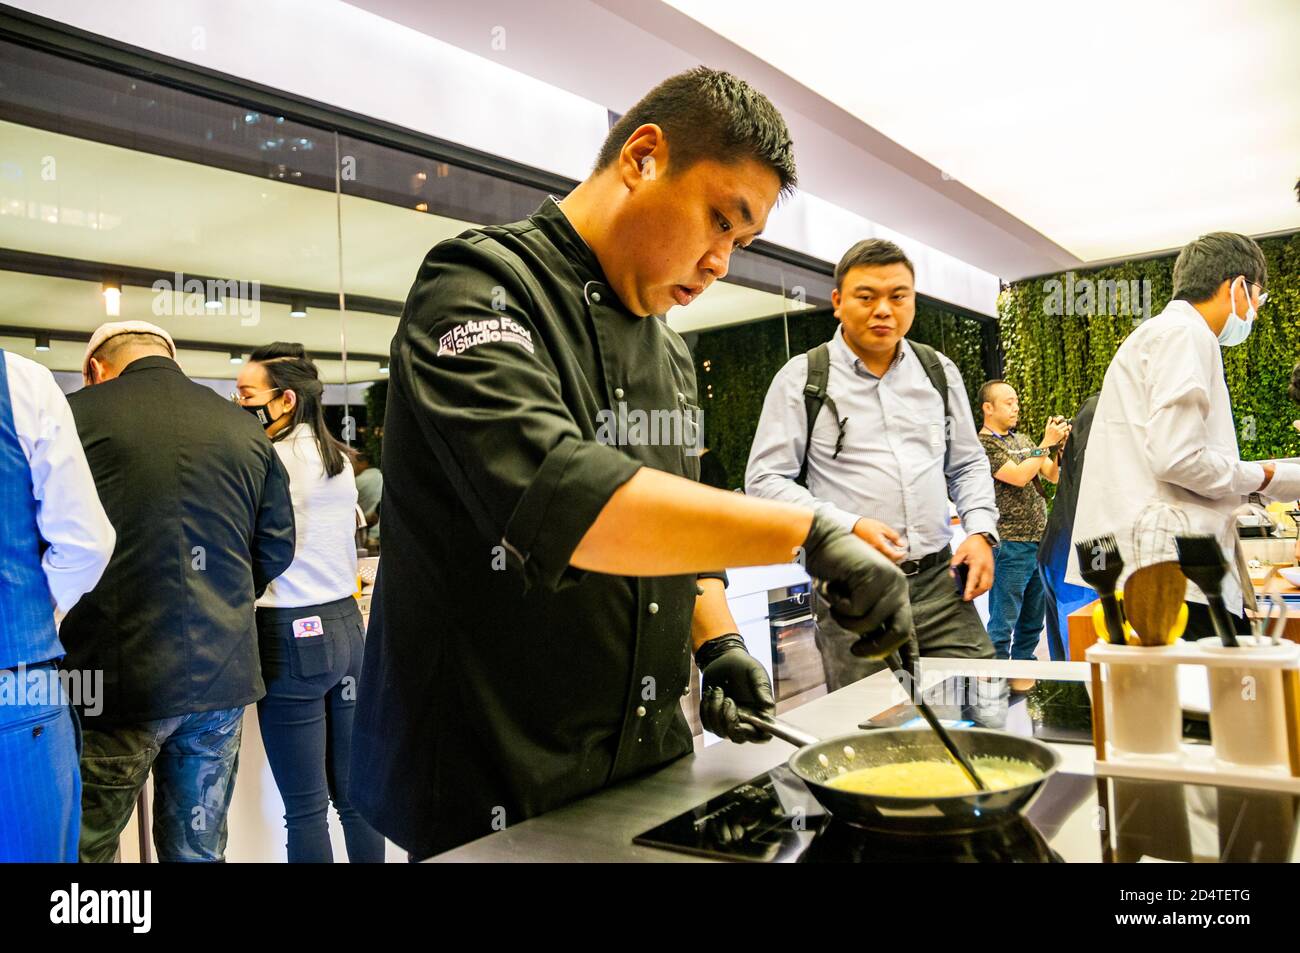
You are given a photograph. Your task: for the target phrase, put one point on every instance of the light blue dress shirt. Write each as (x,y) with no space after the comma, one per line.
(895,465)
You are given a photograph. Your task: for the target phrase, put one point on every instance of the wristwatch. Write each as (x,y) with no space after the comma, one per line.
(993,540)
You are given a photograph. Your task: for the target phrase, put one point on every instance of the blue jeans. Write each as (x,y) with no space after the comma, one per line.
(194,759)
(40,784)
(1017,605)
(306,722)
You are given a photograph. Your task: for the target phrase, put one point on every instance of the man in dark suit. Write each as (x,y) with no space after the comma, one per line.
(200,503)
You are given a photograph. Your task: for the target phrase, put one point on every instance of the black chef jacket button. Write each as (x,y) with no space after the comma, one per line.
(652,608)
(640,711)
(618,393)
(38,731)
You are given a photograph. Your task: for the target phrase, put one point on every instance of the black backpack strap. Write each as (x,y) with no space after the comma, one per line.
(929,359)
(814,396)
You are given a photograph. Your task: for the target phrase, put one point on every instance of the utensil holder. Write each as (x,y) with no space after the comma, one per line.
(1247,704)
(1140,696)
(1254,713)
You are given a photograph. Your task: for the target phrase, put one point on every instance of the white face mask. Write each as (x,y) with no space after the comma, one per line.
(1237,329)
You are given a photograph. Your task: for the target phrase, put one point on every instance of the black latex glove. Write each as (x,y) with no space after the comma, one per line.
(866,592)
(730,676)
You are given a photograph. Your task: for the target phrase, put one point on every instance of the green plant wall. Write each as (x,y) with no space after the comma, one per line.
(1055,360)
(735,365)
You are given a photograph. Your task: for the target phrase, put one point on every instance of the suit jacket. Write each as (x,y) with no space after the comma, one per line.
(200,503)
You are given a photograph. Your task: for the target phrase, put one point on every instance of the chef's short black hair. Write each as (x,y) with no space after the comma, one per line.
(709,114)
(1205,264)
(871,251)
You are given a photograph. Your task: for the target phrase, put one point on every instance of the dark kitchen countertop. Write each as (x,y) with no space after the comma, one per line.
(600,827)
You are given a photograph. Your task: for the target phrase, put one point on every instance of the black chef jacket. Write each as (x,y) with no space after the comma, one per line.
(499,682)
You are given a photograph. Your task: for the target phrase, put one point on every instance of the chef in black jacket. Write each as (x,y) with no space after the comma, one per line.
(540,588)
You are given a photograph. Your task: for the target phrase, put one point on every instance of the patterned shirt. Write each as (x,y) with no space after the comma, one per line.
(1022,509)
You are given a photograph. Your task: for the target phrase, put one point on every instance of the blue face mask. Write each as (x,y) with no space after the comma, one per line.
(1237,329)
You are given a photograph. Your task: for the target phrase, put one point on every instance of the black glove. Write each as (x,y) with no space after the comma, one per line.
(730,676)
(867,593)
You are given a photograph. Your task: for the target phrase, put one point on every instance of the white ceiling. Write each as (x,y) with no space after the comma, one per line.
(1018,136)
(108,204)
(1114,128)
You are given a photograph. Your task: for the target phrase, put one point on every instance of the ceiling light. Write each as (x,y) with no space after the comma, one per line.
(383,368)
(297,307)
(42,342)
(112,290)
(236,357)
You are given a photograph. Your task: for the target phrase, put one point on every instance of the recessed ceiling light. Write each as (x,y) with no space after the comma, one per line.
(236,357)
(112,290)
(42,342)
(297,307)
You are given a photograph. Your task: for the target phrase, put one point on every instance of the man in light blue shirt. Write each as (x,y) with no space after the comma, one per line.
(885,456)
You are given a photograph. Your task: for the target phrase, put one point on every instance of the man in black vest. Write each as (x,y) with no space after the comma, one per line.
(539,593)
(200,502)
(892,438)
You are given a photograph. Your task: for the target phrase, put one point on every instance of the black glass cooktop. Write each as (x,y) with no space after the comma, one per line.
(774,818)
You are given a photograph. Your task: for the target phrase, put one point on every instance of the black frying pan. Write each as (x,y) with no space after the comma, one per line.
(817,761)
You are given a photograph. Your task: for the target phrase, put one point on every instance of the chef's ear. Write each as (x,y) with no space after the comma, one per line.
(644,156)
(290,399)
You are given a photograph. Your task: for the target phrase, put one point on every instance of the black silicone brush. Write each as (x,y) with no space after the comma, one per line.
(1202,562)
(1100,566)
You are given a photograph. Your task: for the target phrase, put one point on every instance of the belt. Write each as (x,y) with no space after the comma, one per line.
(911,567)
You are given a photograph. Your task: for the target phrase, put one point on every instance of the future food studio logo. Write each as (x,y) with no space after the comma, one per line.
(488,331)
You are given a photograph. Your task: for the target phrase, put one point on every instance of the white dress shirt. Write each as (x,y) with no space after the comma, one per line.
(324,566)
(1163,431)
(895,464)
(68,512)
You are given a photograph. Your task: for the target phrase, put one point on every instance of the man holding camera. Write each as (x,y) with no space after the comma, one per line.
(1017,604)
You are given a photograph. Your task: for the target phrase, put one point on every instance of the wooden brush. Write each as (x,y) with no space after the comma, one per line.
(1154,602)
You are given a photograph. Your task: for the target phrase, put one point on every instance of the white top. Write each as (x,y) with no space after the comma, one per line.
(1163,431)
(68,512)
(324,566)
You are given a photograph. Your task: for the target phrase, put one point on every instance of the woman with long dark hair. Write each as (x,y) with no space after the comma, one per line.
(308,624)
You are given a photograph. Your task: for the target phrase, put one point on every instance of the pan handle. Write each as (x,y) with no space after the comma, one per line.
(778,729)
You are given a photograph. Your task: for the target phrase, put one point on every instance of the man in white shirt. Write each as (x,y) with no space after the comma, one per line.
(47,502)
(1163,429)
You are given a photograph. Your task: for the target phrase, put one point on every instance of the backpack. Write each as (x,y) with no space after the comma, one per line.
(814,393)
